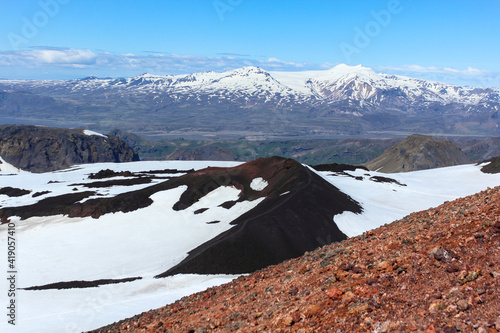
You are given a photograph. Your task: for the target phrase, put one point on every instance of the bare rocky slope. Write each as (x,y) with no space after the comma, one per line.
(418,152)
(478,150)
(42,149)
(432,271)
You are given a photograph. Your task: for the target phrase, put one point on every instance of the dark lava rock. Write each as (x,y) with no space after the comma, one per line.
(42,149)
(13,192)
(108,173)
(81,284)
(37,194)
(380,179)
(336,167)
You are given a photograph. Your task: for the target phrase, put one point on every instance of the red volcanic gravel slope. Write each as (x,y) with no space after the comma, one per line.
(433,271)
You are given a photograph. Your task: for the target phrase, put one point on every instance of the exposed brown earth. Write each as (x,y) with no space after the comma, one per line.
(433,271)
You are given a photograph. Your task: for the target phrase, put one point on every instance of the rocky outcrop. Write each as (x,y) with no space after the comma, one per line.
(493,165)
(433,271)
(418,152)
(42,149)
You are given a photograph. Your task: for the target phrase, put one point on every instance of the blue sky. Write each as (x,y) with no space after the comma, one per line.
(452,41)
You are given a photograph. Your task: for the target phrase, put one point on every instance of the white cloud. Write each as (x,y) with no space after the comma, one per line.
(42,58)
(434,69)
(54,59)
(71,56)
(276,63)
(62,63)
(273,60)
(469,76)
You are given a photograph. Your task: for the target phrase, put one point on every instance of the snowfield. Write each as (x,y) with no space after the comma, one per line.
(7,167)
(386,202)
(150,240)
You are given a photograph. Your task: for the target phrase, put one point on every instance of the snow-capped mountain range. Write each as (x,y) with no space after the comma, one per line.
(339,83)
(316,95)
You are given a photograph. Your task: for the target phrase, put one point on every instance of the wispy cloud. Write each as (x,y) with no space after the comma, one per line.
(53,57)
(277,63)
(154,52)
(233,54)
(469,76)
(43,47)
(106,63)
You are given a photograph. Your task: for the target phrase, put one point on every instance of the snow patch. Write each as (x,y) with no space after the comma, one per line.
(258,184)
(89,132)
(386,202)
(7,167)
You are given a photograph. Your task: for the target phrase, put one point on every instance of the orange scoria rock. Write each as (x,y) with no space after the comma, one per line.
(433,271)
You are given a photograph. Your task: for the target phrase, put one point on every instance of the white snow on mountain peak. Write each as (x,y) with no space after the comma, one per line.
(249,70)
(362,83)
(342,82)
(146,76)
(343,71)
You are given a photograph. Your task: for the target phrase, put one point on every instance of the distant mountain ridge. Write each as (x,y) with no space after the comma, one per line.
(418,152)
(339,83)
(251,101)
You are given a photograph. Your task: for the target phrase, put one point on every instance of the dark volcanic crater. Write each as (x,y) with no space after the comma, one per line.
(295,216)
